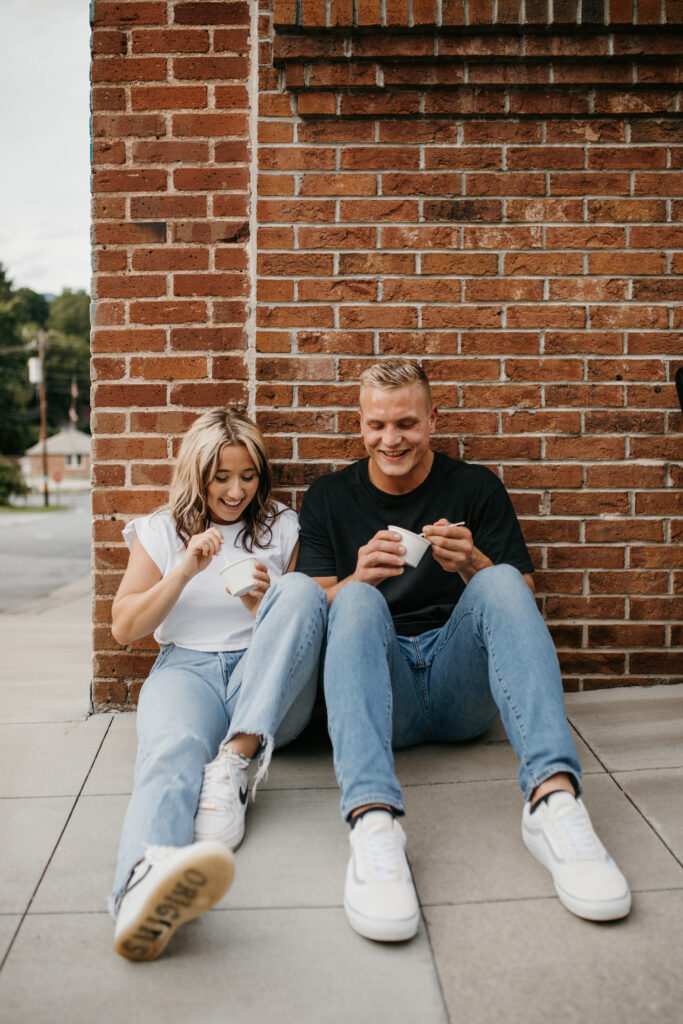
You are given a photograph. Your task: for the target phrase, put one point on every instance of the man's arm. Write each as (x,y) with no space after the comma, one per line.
(454,550)
(379,559)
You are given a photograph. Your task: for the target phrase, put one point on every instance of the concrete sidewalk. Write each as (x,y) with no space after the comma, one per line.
(495,945)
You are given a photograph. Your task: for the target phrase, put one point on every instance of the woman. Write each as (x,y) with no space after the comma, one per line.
(242,670)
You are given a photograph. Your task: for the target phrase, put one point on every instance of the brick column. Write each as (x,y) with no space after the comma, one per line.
(170,242)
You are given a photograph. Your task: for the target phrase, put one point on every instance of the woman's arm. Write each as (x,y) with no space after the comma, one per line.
(145,598)
(292,561)
(252,600)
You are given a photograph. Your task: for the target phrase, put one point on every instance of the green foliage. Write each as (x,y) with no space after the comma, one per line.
(67,358)
(11,480)
(31,307)
(18,402)
(70,314)
(23,313)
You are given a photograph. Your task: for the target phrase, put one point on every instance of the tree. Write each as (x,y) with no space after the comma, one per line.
(70,314)
(11,481)
(31,307)
(67,359)
(23,313)
(18,422)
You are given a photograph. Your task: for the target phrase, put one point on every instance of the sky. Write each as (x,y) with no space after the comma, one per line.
(45,144)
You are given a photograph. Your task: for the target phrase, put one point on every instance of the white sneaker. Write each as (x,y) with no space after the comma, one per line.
(379,896)
(170,886)
(559,834)
(223,800)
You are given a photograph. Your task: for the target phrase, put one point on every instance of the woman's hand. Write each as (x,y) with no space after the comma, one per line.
(252,600)
(200,550)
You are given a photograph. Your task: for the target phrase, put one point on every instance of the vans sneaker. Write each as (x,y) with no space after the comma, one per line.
(379,896)
(170,886)
(558,832)
(223,800)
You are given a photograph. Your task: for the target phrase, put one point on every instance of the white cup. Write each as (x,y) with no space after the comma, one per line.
(414,544)
(238,576)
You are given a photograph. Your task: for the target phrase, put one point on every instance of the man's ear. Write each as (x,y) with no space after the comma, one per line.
(434,412)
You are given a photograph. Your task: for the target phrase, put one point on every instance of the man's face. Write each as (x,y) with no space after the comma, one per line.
(396,426)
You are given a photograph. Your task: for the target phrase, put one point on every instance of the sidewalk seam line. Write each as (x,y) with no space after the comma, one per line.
(630,800)
(54,848)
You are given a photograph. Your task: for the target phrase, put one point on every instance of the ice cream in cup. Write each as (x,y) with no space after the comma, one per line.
(239,576)
(414,544)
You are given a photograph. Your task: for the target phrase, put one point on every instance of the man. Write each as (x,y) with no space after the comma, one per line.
(436,652)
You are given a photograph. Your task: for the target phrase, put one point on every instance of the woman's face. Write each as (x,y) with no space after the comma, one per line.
(234,485)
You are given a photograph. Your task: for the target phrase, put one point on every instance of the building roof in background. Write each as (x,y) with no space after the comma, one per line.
(69,441)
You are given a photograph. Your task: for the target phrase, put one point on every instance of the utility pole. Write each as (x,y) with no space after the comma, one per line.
(73,415)
(36,375)
(43,412)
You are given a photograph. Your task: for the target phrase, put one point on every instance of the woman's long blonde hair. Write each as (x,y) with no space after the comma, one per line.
(197,465)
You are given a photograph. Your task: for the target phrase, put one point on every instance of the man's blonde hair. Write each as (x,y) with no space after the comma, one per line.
(395,373)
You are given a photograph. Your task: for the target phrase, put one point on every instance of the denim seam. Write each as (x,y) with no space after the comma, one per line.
(388,732)
(492,655)
(547,773)
(303,646)
(373,798)
(515,714)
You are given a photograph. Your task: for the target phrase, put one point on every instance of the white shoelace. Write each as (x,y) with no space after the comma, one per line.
(382,856)
(578,835)
(220,782)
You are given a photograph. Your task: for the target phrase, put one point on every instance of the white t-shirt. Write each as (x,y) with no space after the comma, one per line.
(205,617)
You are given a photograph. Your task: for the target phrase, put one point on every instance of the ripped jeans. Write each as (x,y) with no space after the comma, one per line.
(192,700)
(493,656)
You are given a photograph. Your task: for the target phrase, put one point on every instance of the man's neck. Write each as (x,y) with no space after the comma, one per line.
(401,484)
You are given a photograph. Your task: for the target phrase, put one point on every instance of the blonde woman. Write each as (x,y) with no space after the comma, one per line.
(235,675)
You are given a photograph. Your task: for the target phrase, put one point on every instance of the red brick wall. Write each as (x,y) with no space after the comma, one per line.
(500,199)
(170,189)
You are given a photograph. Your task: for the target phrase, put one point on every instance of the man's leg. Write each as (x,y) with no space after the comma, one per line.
(496,639)
(496,652)
(368,686)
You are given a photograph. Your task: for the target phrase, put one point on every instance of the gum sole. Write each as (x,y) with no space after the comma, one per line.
(194,886)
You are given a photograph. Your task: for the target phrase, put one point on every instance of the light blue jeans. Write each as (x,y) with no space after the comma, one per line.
(193,700)
(494,655)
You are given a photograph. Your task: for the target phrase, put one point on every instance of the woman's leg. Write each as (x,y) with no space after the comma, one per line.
(181,720)
(272,690)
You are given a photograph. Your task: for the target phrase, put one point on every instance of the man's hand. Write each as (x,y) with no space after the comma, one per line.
(380,558)
(452,545)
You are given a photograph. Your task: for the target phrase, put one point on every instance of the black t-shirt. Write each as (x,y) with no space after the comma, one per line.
(343,511)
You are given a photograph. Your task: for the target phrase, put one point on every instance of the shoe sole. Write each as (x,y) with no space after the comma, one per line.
(590,910)
(610,910)
(186,892)
(381,930)
(231,842)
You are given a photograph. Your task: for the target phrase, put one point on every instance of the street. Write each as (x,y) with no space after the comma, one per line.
(40,551)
